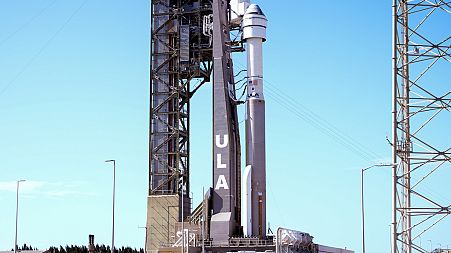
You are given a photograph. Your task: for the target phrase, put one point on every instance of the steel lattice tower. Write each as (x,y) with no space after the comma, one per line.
(421,119)
(180,55)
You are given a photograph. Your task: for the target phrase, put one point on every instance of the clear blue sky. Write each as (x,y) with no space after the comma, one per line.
(74,83)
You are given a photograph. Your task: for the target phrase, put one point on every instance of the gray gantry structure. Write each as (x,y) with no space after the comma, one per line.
(181,55)
(421,119)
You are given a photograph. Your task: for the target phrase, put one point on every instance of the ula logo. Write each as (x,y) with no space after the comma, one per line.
(222,181)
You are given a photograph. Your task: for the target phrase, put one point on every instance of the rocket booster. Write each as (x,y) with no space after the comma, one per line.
(254,180)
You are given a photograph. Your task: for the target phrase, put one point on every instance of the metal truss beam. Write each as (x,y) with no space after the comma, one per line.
(181,56)
(170,89)
(421,118)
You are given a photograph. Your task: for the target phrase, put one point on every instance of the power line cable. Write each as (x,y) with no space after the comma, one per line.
(307,115)
(318,119)
(315,124)
(46,44)
(28,22)
(325,125)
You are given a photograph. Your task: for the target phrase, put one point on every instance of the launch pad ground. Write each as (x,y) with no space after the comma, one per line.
(267,246)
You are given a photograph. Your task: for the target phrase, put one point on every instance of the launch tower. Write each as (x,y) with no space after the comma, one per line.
(191,41)
(181,54)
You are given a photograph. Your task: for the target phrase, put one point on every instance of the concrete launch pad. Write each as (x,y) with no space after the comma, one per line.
(162,218)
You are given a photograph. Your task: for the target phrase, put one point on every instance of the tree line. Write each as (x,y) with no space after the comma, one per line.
(98,249)
(25,247)
(83,249)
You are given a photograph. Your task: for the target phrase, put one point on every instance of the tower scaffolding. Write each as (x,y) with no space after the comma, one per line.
(421,147)
(181,55)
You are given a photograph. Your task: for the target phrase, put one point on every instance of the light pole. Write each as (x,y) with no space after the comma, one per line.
(17,213)
(145,242)
(203,220)
(430,241)
(362,201)
(114,192)
(183,210)
(391,242)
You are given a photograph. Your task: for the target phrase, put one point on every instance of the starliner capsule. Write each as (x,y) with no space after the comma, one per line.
(254,180)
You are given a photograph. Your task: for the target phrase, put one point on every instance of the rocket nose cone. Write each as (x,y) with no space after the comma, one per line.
(254,9)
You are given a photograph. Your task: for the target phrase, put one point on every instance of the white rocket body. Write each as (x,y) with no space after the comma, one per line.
(254,180)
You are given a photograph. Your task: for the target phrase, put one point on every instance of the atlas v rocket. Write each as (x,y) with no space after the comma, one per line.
(254,181)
